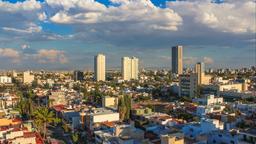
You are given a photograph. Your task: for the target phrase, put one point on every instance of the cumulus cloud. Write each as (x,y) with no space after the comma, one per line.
(41,56)
(51,56)
(20,18)
(27,5)
(11,54)
(141,13)
(230,16)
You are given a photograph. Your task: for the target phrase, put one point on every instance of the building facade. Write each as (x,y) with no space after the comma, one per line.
(100,67)
(188,85)
(130,68)
(28,78)
(78,76)
(177,56)
(199,69)
(5,79)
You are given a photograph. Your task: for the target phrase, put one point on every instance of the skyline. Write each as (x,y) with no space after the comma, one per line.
(55,34)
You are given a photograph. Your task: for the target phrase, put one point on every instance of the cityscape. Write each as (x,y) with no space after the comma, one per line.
(127,72)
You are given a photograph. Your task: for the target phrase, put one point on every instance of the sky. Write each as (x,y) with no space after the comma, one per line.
(67,34)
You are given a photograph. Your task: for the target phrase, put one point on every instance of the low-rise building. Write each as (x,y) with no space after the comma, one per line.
(99,115)
(57,98)
(111,102)
(175,138)
(205,126)
(209,100)
(5,80)
(28,78)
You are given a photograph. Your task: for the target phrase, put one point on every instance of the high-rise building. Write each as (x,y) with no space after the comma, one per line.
(130,68)
(177,64)
(134,68)
(126,68)
(199,69)
(78,75)
(188,85)
(100,67)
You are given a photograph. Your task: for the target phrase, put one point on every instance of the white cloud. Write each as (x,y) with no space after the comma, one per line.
(42,16)
(231,16)
(32,28)
(25,46)
(21,17)
(208,60)
(51,56)
(9,53)
(28,5)
(140,13)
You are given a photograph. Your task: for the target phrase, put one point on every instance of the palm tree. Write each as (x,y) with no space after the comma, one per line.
(42,117)
(75,137)
(21,107)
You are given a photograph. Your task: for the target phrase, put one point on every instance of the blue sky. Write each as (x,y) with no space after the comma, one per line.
(66,34)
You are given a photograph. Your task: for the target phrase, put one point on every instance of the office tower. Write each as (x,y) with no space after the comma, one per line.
(130,68)
(188,85)
(28,78)
(78,75)
(99,67)
(177,64)
(199,69)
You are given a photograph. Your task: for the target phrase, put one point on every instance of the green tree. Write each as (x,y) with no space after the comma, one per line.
(75,138)
(30,102)
(124,107)
(127,100)
(21,107)
(42,118)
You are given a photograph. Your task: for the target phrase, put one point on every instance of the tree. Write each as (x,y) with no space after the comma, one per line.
(30,103)
(124,107)
(127,100)
(43,117)
(75,138)
(21,107)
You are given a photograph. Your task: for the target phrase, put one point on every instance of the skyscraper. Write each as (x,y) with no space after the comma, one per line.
(134,68)
(126,68)
(78,75)
(199,69)
(130,68)
(177,64)
(99,67)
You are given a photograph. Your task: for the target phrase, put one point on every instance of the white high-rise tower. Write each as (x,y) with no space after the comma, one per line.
(100,67)
(130,68)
